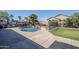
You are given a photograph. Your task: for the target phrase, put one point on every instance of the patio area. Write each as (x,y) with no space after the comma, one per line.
(14,38)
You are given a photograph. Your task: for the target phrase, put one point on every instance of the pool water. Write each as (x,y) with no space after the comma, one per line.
(30,29)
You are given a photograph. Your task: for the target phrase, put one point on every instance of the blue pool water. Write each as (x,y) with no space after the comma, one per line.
(30,29)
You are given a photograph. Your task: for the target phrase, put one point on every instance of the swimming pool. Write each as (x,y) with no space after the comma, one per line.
(30,29)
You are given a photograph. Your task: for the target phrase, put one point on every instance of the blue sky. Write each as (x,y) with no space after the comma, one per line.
(42,14)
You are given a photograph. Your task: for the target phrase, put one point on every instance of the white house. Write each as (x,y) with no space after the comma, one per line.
(60,18)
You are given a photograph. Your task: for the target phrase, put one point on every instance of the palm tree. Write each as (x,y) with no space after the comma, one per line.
(33,18)
(19,17)
(13,20)
(26,18)
(11,16)
(8,20)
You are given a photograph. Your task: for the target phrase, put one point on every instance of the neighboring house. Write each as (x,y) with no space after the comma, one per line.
(60,18)
(45,23)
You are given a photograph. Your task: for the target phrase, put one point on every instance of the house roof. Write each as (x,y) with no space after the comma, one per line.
(59,16)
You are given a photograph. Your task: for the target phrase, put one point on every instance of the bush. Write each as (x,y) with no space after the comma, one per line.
(57,28)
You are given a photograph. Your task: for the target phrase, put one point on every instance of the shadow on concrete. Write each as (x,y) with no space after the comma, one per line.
(10,39)
(61,45)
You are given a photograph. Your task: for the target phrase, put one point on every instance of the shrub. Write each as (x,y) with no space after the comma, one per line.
(1,27)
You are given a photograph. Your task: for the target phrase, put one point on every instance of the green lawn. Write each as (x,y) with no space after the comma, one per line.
(67,33)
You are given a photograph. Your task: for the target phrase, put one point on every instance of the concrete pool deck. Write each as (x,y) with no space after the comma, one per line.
(39,39)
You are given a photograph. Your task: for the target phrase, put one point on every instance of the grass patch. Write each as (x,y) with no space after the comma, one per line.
(67,33)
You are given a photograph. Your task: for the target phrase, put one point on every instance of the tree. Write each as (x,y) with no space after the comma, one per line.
(68,22)
(75,19)
(33,18)
(3,15)
(8,20)
(19,17)
(11,17)
(13,20)
(76,15)
(50,22)
(26,18)
(53,23)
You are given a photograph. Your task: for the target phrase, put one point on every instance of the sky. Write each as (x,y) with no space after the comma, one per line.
(43,15)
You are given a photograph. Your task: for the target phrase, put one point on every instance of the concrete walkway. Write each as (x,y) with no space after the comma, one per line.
(46,39)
